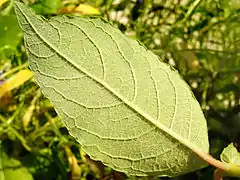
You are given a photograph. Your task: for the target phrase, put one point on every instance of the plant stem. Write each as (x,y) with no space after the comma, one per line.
(54,127)
(19,136)
(190,11)
(212,161)
(10,120)
(223,169)
(6,123)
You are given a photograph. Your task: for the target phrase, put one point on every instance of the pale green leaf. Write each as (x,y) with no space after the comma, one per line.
(230,155)
(123,105)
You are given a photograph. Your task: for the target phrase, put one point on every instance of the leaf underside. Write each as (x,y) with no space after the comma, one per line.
(122,104)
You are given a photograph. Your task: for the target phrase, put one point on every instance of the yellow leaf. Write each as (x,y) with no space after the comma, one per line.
(87,10)
(15,81)
(2,2)
(75,169)
(28,114)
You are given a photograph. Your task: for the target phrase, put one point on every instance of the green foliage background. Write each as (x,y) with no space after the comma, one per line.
(201,39)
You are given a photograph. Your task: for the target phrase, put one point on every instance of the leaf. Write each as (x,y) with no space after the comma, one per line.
(11,33)
(11,169)
(15,81)
(87,9)
(230,155)
(47,6)
(123,105)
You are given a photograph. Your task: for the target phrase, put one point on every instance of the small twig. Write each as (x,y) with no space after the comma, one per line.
(210,50)
(190,11)
(52,123)
(20,137)
(6,123)
(9,121)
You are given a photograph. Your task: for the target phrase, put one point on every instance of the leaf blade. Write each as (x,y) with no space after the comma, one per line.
(128,106)
(230,155)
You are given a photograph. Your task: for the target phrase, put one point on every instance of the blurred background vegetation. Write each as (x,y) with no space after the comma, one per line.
(200,38)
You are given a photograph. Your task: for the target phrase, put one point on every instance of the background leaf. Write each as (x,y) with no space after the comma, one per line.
(125,107)
(230,155)
(15,81)
(10,32)
(11,169)
(47,6)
